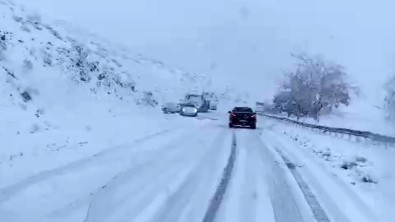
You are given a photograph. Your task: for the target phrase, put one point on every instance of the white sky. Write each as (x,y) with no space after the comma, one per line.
(247,42)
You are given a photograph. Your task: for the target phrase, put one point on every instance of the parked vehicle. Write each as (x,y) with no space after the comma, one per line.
(259,107)
(199,101)
(242,116)
(188,110)
(213,105)
(171,108)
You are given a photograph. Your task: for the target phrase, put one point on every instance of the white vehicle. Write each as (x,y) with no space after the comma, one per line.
(171,108)
(198,101)
(259,107)
(188,110)
(213,105)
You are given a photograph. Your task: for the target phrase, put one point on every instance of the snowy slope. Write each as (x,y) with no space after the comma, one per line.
(65,90)
(31,45)
(65,96)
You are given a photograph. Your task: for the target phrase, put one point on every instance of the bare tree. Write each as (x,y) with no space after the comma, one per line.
(313,85)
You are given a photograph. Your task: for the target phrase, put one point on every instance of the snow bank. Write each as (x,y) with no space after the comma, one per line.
(358,116)
(365,168)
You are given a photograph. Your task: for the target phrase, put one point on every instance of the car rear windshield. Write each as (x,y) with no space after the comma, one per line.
(189,105)
(242,110)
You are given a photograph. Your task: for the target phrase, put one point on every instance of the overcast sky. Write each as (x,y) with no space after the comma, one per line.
(244,41)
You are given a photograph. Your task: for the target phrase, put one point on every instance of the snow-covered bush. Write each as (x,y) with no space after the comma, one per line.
(390,98)
(27,65)
(81,62)
(26,96)
(148,100)
(34,18)
(3,44)
(314,85)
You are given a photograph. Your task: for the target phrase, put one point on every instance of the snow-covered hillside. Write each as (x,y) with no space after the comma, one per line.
(67,86)
(31,48)
(70,94)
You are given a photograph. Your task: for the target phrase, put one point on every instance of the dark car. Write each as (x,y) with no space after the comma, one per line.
(242,116)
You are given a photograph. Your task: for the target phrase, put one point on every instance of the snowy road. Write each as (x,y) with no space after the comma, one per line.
(200,173)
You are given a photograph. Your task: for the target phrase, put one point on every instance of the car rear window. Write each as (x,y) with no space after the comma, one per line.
(242,110)
(189,105)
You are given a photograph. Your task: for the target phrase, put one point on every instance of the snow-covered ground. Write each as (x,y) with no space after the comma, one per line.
(196,169)
(66,95)
(353,179)
(82,139)
(64,182)
(359,116)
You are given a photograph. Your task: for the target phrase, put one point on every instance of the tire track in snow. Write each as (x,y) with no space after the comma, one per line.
(285,204)
(243,196)
(250,190)
(216,201)
(130,194)
(318,212)
(320,178)
(194,186)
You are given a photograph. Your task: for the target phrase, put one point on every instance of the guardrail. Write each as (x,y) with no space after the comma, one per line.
(357,133)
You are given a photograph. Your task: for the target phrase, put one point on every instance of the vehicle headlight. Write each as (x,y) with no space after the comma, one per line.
(183,110)
(195,110)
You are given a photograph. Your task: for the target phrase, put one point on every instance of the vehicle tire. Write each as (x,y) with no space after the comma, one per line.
(253,126)
(230,125)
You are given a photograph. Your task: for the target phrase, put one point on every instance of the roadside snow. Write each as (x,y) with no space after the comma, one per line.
(359,116)
(363,170)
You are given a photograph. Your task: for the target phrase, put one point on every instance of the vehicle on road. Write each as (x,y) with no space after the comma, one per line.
(188,110)
(171,108)
(243,117)
(199,101)
(259,107)
(213,105)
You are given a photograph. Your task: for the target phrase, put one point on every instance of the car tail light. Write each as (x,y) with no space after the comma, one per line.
(253,116)
(233,115)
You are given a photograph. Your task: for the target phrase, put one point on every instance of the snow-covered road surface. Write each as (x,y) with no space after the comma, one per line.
(203,172)
(260,189)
